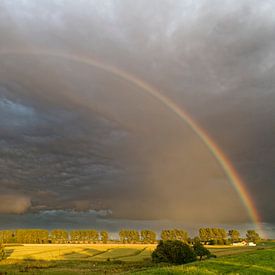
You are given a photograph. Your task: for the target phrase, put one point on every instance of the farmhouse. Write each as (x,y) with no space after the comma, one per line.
(243,243)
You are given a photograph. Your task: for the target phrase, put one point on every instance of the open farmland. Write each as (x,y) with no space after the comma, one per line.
(85,252)
(131,258)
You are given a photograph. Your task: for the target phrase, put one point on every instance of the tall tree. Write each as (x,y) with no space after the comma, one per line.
(203,235)
(7,236)
(59,236)
(122,236)
(129,236)
(32,235)
(252,236)
(234,235)
(148,236)
(174,234)
(166,235)
(93,236)
(180,235)
(104,236)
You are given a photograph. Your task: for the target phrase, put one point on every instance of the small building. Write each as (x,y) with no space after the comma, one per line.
(251,244)
(243,243)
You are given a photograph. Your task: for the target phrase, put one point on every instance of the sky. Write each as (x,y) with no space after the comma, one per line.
(82,147)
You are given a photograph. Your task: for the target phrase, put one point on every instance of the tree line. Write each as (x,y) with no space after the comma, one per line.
(61,236)
(220,236)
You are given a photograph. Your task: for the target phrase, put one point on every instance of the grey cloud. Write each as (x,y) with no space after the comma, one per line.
(16,204)
(76,137)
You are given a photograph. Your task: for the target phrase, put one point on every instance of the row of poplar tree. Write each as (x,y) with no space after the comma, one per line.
(53,236)
(87,236)
(220,236)
(207,235)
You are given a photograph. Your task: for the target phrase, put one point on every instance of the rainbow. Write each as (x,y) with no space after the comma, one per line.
(228,168)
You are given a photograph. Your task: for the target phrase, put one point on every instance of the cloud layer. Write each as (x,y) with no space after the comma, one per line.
(76,138)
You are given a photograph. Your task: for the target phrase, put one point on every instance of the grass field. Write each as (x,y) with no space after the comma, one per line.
(121,259)
(252,262)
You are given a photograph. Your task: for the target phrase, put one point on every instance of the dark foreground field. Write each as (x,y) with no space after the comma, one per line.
(131,259)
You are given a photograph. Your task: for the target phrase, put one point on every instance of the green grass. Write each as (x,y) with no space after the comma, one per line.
(252,262)
(131,259)
(72,267)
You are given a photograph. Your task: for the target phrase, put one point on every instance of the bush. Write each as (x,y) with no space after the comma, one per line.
(175,252)
(201,251)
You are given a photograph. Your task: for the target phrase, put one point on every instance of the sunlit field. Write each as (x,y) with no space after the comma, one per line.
(85,252)
(131,258)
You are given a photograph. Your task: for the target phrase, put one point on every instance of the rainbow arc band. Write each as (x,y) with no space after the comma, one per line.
(228,168)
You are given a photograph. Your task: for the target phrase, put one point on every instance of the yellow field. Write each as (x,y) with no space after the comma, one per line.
(60,259)
(99,252)
(90,252)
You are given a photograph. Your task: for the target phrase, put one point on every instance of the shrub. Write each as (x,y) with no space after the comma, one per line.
(175,252)
(201,251)
(252,236)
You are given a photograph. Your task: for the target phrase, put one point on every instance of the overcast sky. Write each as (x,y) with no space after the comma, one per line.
(80,144)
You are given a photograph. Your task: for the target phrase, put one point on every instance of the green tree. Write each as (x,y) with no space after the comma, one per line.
(104,236)
(129,236)
(166,235)
(175,252)
(32,236)
(180,235)
(174,234)
(252,236)
(148,236)
(212,235)
(203,234)
(59,236)
(75,236)
(222,233)
(92,236)
(7,236)
(200,250)
(215,233)
(133,236)
(196,239)
(84,236)
(122,236)
(234,235)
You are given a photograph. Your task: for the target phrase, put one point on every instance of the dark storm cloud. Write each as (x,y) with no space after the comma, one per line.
(76,137)
(49,150)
